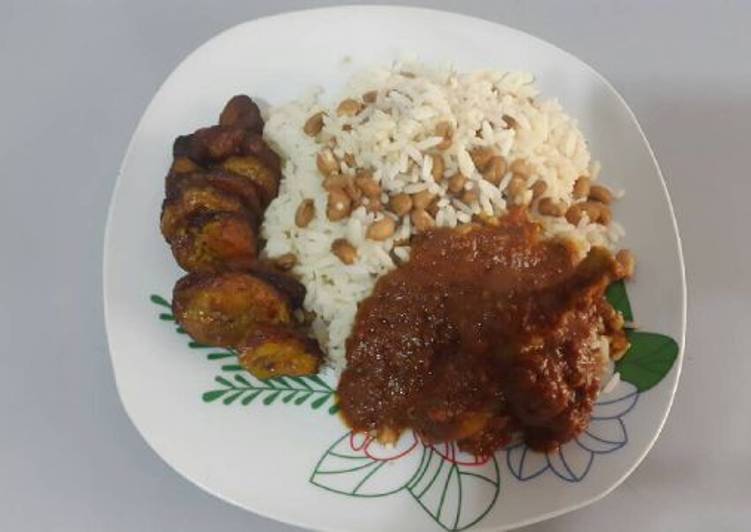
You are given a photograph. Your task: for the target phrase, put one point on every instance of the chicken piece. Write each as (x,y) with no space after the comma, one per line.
(282,281)
(192,200)
(223,309)
(230,183)
(243,112)
(256,146)
(254,169)
(211,242)
(273,351)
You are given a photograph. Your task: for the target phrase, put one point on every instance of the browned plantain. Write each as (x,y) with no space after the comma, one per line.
(239,186)
(215,143)
(256,146)
(243,112)
(196,199)
(214,242)
(254,169)
(223,309)
(273,351)
(282,281)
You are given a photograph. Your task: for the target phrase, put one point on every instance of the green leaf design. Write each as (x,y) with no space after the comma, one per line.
(225,382)
(159,300)
(301,382)
(648,360)
(617,296)
(231,398)
(196,345)
(242,380)
(318,380)
(300,400)
(219,356)
(315,405)
(166,317)
(279,380)
(213,395)
(352,472)
(248,398)
(271,397)
(441,485)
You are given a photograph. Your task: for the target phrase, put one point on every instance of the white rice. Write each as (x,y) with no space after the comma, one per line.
(391,137)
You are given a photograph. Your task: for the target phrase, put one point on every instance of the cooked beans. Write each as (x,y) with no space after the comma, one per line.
(370,96)
(538,189)
(606,215)
(382,229)
(495,170)
(601,194)
(521,167)
(516,186)
(443,129)
(456,183)
(335,181)
(400,204)
(326,162)
(421,220)
(352,190)
(470,196)
(433,207)
(581,187)
(348,107)
(346,252)
(305,213)
(481,156)
(338,205)
(314,124)
(422,199)
(596,212)
(374,205)
(367,184)
(439,167)
(550,207)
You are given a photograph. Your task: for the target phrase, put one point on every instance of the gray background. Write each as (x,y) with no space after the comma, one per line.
(74,79)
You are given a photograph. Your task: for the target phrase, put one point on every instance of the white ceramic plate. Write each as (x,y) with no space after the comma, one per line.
(277,449)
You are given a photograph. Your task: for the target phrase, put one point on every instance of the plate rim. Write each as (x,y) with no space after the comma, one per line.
(681,339)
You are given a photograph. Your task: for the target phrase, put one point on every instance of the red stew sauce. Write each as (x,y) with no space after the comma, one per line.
(488,331)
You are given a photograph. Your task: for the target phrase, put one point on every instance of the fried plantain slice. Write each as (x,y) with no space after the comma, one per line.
(195,199)
(282,281)
(212,144)
(181,146)
(273,351)
(215,241)
(256,146)
(241,111)
(223,309)
(254,169)
(184,165)
(240,186)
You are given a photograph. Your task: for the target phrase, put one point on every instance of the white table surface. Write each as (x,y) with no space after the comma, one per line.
(75,77)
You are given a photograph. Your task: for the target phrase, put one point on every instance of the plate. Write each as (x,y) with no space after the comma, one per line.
(278,448)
